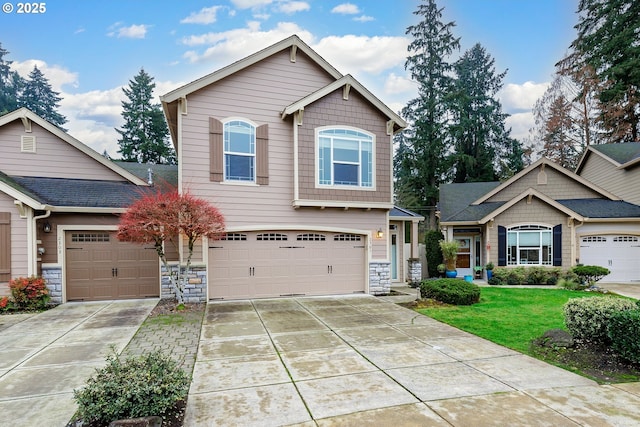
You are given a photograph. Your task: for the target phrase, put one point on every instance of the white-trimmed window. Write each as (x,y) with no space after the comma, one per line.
(530,245)
(239,151)
(345,157)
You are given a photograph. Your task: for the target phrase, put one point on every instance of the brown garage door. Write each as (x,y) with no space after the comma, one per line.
(100,267)
(283,263)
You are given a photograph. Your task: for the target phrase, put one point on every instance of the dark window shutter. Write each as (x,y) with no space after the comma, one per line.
(262,154)
(502,246)
(557,245)
(216,150)
(5,247)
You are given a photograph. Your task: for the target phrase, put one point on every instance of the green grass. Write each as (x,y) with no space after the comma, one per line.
(509,317)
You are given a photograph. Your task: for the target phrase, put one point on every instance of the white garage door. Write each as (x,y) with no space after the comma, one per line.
(620,254)
(286,263)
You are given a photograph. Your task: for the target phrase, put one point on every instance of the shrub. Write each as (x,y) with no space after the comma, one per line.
(5,304)
(590,274)
(432,251)
(495,281)
(151,384)
(624,332)
(450,291)
(29,293)
(587,318)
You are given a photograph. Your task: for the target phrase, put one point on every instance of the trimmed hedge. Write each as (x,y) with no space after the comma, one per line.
(588,318)
(535,275)
(624,332)
(450,291)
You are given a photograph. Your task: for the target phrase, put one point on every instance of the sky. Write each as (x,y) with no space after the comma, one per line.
(89,50)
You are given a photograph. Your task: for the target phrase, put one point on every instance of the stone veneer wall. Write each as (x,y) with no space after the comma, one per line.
(379,278)
(415,270)
(53,280)
(196,288)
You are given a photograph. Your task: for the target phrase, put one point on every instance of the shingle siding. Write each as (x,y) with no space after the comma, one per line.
(624,183)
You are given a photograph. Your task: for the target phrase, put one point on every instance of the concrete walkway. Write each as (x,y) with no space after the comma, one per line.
(360,360)
(45,356)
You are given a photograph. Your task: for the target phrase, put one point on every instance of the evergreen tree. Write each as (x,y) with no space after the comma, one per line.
(607,42)
(38,96)
(11,84)
(144,136)
(478,123)
(425,141)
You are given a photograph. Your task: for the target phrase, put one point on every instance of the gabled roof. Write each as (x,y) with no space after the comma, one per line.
(27,116)
(601,208)
(456,198)
(398,213)
(350,83)
(164,175)
(546,163)
(621,155)
(290,42)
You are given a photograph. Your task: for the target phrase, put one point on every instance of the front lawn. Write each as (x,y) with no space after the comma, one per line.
(510,317)
(515,317)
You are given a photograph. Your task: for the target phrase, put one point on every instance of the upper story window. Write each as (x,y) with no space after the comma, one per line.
(530,245)
(239,151)
(345,158)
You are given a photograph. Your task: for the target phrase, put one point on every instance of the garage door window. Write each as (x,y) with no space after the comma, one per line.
(89,237)
(271,237)
(234,236)
(347,238)
(308,237)
(628,239)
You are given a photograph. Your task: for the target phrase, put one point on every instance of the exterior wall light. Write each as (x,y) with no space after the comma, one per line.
(379,233)
(46,227)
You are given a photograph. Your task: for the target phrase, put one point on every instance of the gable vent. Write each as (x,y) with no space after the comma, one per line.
(28,144)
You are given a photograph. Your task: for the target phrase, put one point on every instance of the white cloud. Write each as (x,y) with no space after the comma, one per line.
(351,54)
(364,18)
(521,97)
(293,7)
(520,125)
(206,15)
(229,46)
(56,75)
(346,9)
(250,4)
(130,32)
(395,85)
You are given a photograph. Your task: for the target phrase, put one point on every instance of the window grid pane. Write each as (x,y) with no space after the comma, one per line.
(529,245)
(239,151)
(345,157)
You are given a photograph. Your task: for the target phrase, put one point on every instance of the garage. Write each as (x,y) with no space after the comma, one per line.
(618,253)
(286,263)
(100,267)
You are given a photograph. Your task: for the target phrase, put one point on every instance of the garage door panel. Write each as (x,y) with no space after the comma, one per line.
(618,253)
(287,263)
(99,267)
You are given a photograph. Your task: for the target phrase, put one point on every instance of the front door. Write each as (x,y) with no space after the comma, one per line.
(464,264)
(394,256)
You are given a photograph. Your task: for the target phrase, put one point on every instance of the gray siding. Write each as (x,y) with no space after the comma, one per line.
(621,182)
(558,186)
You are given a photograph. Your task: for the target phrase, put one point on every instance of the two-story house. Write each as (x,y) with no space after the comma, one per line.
(298,158)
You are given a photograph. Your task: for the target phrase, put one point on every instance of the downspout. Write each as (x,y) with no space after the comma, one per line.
(33,244)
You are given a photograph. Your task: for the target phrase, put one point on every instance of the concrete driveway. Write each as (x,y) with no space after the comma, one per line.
(358,360)
(45,356)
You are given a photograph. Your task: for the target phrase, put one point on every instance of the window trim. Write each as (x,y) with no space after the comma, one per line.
(540,248)
(316,158)
(253,155)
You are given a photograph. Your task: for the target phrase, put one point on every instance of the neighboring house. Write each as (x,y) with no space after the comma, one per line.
(298,158)
(615,167)
(59,206)
(545,215)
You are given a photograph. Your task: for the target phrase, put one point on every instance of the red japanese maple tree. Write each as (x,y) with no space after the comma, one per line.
(160,217)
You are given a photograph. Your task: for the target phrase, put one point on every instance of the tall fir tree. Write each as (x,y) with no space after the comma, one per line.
(607,42)
(39,97)
(477,126)
(11,84)
(144,135)
(421,169)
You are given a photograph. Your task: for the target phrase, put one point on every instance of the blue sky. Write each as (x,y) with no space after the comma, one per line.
(90,49)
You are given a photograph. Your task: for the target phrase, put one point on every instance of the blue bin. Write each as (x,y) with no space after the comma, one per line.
(468,278)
